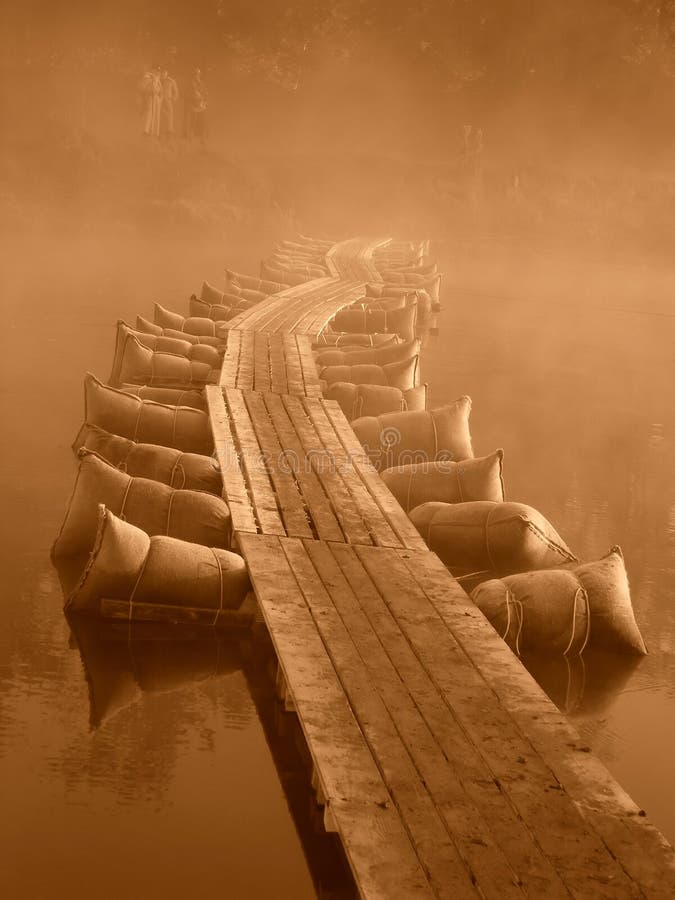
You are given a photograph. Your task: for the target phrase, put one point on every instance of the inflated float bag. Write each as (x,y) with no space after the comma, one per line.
(490,537)
(211,294)
(147,359)
(358,400)
(219,312)
(401,375)
(118,412)
(185,471)
(244,295)
(236,281)
(427,270)
(399,321)
(380,356)
(288,279)
(389,303)
(329,338)
(564,609)
(154,507)
(298,265)
(145,326)
(126,564)
(200,326)
(446,481)
(417,437)
(171,396)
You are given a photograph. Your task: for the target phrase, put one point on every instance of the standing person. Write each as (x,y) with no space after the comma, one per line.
(151,91)
(169,97)
(195,108)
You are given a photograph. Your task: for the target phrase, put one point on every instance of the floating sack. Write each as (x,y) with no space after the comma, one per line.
(201,326)
(211,294)
(402,375)
(244,295)
(358,400)
(490,537)
(388,303)
(144,326)
(146,359)
(283,276)
(446,481)
(118,412)
(398,321)
(172,396)
(236,281)
(406,277)
(126,564)
(154,507)
(564,610)
(380,356)
(298,265)
(329,338)
(426,270)
(185,471)
(397,439)
(219,312)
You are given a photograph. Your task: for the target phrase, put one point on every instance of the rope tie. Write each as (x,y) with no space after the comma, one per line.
(579,592)
(220,573)
(124,499)
(174,424)
(175,468)
(138,420)
(433,423)
(486,531)
(408,492)
(520,616)
(132,595)
(168,512)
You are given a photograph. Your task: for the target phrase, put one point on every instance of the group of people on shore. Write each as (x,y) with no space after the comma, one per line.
(159,94)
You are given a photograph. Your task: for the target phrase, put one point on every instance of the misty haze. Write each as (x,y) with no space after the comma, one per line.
(533,144)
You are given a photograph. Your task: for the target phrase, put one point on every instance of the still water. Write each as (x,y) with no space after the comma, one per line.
(569,357)
(148,765)
(132,764)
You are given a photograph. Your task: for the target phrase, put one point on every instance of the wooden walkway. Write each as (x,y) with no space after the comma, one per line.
(442,766)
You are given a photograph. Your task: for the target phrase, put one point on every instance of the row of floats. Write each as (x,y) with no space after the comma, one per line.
(147,517)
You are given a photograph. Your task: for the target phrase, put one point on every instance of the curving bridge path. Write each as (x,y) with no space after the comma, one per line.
(442,766)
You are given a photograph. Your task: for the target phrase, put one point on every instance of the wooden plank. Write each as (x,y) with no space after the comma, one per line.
(291,501)
(327,468)
(230,367)
(323,518)
(448,875)
(631,837)
(376,843)
(574,848)
(262,377)
(343,464)
(235,492)
(254,465)
(180,615)
(492,837)
(388,504)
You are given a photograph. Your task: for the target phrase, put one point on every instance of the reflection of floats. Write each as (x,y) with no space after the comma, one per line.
(582,685)
(126,660)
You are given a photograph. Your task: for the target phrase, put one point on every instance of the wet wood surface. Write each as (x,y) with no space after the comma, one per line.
(444,768)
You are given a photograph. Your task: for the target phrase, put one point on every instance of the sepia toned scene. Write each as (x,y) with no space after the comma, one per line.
(338,545)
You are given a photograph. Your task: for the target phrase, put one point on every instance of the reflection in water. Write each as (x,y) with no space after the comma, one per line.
(123,661)
(582,685)
(174,792)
